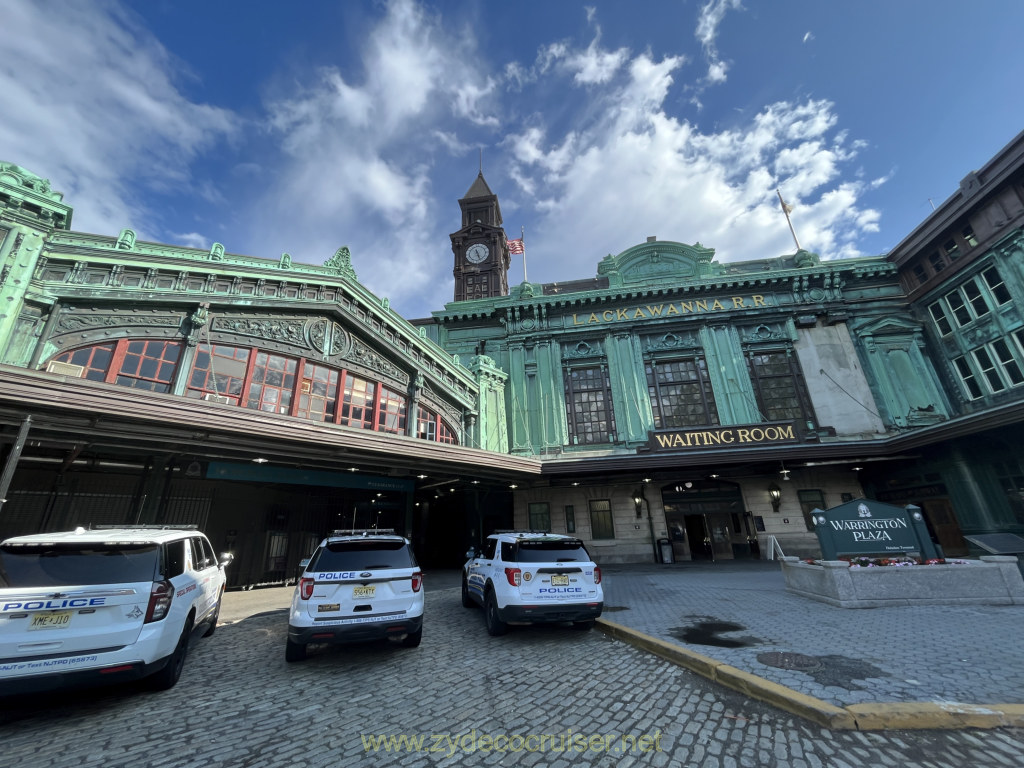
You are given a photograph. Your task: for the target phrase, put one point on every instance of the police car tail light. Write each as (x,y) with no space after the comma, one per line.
(514,576)
(305,588)
(160,597)
(597,575)
(417,581)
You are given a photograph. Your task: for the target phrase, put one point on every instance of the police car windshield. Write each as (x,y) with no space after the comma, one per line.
(551,552)
(362,555)
(61,565)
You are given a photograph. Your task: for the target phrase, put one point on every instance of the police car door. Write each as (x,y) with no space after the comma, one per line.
(201,577)
(480,568)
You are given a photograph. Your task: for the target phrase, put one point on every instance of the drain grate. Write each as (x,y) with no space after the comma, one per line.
(797,661)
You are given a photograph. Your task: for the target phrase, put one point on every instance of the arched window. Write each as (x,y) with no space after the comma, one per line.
(430,426)
(138,364)
(260,380)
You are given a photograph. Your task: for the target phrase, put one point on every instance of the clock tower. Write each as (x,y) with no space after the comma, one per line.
(480,247)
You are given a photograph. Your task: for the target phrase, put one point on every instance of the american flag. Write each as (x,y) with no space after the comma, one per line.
(516,246)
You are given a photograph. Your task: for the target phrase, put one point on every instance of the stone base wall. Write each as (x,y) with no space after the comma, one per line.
(992,580)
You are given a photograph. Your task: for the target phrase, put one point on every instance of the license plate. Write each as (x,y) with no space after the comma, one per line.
(364,591)
(55,620)
(328,608)
(559,580)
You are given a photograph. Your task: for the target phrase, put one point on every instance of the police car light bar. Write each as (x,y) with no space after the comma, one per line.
(144,526)
(362,531)
(521,531)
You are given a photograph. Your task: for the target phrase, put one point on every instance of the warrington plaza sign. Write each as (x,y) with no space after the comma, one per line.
(729,437)
(869,527)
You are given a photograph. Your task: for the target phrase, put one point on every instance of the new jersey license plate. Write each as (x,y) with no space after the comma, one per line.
(54,620)
(364,592)
(559,580)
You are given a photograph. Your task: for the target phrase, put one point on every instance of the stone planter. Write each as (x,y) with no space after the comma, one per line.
(992,580)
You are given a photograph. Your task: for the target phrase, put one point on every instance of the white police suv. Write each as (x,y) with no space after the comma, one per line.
(358,585)
(105,604)
(529,577)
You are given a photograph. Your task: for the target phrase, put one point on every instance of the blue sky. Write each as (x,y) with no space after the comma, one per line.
(273,127)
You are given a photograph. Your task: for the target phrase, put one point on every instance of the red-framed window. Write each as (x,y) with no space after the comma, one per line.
(357,402)
(318,392)
(271,383)
(426,424)
(446,434)
(219,370)
(145,364)
(430,426)
(391,409)
(95,360)
(259,380)
(139,364)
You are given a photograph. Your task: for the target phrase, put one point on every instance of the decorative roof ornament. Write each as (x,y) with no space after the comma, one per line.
(17,176)
(341,263)
(126,240)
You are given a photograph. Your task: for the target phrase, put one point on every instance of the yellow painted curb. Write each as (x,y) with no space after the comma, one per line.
(865,717)
(817,711)
(944,715)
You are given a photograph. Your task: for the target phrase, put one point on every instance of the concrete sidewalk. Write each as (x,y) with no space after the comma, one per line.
(894,667)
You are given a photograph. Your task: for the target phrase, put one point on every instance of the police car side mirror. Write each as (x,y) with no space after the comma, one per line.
(471,553)
(225,559)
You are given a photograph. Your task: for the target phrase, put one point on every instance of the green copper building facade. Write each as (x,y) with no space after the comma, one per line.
(671,405)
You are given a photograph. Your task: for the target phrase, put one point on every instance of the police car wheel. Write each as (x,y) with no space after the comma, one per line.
(467,601)
(294,651)
(495,626)
(212,627)
(412,640)
(583,626)
(168,676)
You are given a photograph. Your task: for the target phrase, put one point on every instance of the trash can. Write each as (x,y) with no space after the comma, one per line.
(665,549)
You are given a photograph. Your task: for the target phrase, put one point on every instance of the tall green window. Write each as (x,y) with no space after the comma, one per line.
(588,405)
(681,394)
(540,516)
(779,386)
(602,526)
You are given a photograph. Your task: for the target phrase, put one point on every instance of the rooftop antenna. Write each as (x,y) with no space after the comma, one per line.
(481,161)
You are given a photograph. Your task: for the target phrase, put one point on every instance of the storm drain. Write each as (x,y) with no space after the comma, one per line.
(798,661)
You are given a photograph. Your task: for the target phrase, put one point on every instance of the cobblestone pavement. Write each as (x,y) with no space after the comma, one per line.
(239,705)
(740,613)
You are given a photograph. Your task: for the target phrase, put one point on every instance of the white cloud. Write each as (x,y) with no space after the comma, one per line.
(708,22)
(358,153)
(641,171)
(191,240)
(594,66)
(808,36)
(92,104)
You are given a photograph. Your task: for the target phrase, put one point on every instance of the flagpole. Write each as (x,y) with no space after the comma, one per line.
(522,236)
(785,210)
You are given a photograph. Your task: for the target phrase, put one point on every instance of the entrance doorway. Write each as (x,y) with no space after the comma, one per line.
(707,521)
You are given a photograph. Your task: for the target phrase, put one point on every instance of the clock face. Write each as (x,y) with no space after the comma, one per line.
(477,253)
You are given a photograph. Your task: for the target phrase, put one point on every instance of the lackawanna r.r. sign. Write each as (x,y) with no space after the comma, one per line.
(731,436)
(869,527)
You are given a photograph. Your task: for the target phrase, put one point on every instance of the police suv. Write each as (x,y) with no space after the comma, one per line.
(105,604)
(531,577)
(358,585)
